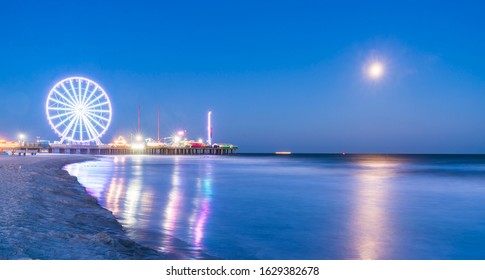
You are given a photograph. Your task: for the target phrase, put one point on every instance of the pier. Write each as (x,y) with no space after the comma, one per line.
(113,150)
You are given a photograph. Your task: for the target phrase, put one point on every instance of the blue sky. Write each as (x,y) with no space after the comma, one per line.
(278,75)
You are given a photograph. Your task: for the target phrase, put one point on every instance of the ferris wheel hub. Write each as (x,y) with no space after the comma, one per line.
(80,110)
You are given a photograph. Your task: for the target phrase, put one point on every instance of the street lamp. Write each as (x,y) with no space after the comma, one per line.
(21,139)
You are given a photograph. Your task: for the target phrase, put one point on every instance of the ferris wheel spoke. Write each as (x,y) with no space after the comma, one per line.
(61,115)
(80,91)
(65,98)
(64,121)
(97,116)
(81,129)
(68,128)
(94,134)
(95,121)
(94,100)
(74,92)
(88,129)
(96,131)
(99,111)
(90,95)
(85,93)
(60,102)
(97,105)
(75,127)
(60,109)
(68,93)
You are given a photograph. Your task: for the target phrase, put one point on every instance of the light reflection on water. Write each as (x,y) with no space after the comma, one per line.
(122,190)
(371,219)
(296,207)
(201,211)
(115,191)
(172,209)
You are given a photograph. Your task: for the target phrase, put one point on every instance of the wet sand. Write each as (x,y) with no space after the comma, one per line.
(46,214)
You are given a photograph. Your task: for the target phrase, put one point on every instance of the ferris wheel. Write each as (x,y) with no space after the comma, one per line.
(78,110)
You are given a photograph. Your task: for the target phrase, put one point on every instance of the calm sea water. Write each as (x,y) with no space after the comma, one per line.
(298,206)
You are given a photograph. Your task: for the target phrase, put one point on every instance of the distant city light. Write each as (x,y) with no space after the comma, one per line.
(376,70)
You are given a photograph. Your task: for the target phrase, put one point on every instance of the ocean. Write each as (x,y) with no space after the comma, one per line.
(296,206)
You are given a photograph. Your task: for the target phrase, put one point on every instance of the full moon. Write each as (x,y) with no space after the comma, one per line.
(376,70)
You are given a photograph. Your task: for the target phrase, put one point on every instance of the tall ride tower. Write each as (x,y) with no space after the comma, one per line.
(209,129)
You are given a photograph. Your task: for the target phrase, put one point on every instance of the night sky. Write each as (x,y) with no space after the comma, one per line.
(279,75)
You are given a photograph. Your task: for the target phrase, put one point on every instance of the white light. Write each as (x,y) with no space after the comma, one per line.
(137,146)
(176,139)
(200,140)
(181,133)
(139,138)
(21,136)
(376,70)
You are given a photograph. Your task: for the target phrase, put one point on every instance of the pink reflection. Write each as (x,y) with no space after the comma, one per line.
(201,211)
(113,195)
(116,187)
(171,211)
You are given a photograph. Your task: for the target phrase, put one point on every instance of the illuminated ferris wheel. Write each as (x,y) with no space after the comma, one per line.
(78,110)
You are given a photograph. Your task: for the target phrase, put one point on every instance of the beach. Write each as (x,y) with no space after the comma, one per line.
(46,214)
(196,207)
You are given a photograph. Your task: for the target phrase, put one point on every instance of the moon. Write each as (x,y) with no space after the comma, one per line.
(376,70)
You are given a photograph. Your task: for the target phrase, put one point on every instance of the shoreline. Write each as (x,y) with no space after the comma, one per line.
(45,213)
(184,250)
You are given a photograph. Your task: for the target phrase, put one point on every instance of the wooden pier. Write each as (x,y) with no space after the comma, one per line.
(113,150)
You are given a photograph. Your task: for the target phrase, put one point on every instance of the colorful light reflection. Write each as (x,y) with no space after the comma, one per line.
(133,195)
(201,211)
(115,191)
(172,209)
